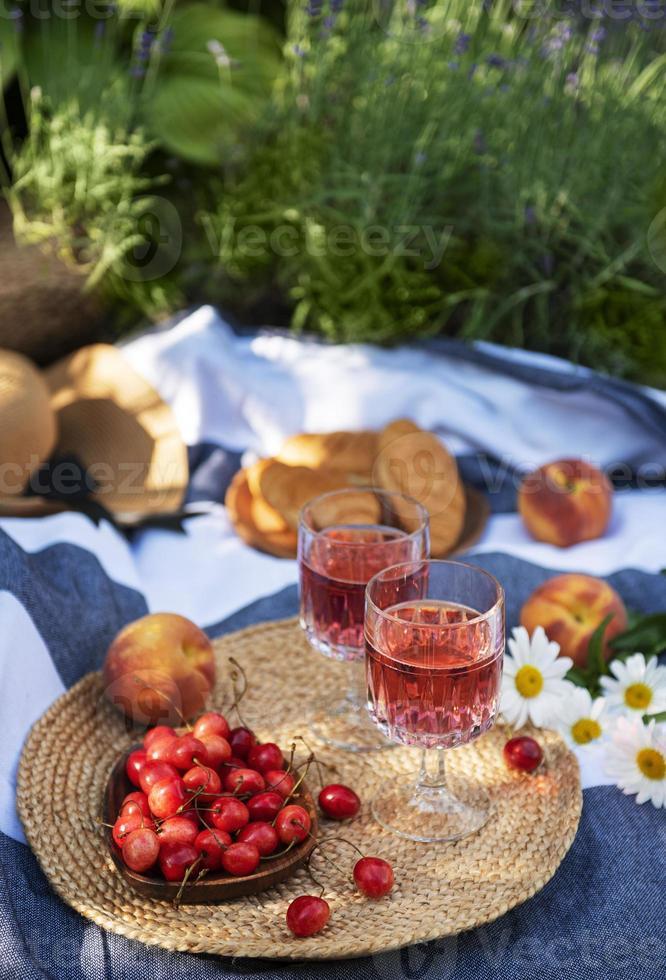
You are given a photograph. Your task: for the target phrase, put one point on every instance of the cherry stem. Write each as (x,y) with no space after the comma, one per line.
(165,697)
(236,674)
(279,854)
(186,877)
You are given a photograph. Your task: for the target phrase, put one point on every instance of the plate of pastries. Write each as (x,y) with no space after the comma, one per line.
(264,500)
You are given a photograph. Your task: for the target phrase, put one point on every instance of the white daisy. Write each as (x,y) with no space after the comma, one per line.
(636,759)
(637,688)
(581,720)
(533,684)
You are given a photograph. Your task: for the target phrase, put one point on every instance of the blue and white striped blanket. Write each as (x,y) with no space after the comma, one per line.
(67,586)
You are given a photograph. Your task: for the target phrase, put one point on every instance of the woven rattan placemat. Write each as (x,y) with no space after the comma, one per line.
(440,889)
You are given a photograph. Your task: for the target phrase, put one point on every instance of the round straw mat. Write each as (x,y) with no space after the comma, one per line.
(440,889)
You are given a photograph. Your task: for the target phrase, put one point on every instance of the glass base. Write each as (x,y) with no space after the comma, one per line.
(344,723)
(431,813)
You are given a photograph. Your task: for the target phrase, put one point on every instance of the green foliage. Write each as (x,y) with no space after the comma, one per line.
(533,150)
(200,103)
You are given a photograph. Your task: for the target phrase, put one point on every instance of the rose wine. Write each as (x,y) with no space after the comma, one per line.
(334,572)
(433,672)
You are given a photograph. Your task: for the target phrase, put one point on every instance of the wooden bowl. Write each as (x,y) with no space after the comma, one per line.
(217,886)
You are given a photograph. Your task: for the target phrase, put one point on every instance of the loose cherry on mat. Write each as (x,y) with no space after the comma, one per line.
(373,877)
(244,781)
(307,915)
(136,802)
(179,830)
(211,845)
(159,731)
(229,814)
(523,753)
(265,757)
(153,772)
(241,859)
(218,750)
(203,781)
(263,835)
(167,797)
(211,723)
(339,802)
(134,766)
(140,849)
(188,751)
(292,824)
(241,741)
(175,859)
(279,781)
(264,806)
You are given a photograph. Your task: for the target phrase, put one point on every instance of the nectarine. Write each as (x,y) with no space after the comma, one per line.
(159,669)
(565,502)
(570,608)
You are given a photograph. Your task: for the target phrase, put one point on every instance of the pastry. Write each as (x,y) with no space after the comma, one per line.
(351,453)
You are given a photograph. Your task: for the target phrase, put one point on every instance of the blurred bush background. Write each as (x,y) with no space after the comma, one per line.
(368,170)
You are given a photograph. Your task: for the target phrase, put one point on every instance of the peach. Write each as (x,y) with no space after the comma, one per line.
(570,608)
(159,669)
(565,502)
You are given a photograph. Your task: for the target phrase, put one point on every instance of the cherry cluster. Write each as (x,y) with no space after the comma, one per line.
(210,799)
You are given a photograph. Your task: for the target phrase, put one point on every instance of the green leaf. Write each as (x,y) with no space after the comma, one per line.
(577,677)
(197,108)
(596,661)
(647,635)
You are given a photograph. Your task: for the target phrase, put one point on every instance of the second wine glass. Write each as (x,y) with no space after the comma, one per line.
(345,537)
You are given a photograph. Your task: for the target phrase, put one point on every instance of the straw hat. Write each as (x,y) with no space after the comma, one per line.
(105,432)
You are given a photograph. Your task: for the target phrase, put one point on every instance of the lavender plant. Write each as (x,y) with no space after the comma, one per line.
(455,167)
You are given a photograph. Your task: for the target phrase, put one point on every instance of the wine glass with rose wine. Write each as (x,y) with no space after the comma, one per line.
(434,635)
(344,538)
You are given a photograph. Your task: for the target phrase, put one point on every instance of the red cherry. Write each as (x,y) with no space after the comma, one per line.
(136,802)
(292,824)
(160,748)
(265,806)
(339,802)
(229,814)
(241,859)
(218,750)
(263,835)
(167,797)
(178,830)
(307,915)
(280,782)
(211,845)
(373,877)
(159,731)
(140,849)
(188,751)
(211,723)
(200,778)
(265,757)
(133,767)
(523,753)
(241,741)
(125,824)
(153,772)
(175,859)
(244,781)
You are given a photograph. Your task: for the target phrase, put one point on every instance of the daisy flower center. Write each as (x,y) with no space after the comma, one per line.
(529,681)
(637,696)
(651,763)
(585,730)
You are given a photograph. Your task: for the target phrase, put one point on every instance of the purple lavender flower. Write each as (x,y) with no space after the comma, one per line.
(100,29)
(530,216)
(495,61)
(298,51)
(462,44)
(17,16)
(594,41)
(314,8)
(572,83)
(480,145)
(167,40)
(548,263)
(336,6)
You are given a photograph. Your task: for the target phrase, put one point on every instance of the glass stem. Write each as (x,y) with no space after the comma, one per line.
(432,773)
